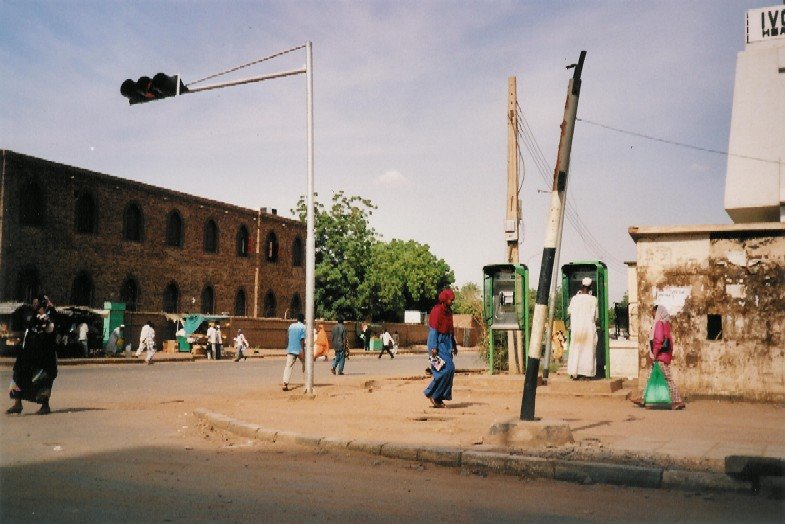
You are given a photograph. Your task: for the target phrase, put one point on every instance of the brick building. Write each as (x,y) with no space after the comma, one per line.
(86,237)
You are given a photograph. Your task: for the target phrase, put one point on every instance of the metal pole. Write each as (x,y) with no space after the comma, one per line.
(310,242)
(558,196)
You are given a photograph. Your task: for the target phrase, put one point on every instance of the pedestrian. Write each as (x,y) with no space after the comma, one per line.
(82,330)
(442,348)
(35,368)
(115,343)
(582,311)
(143,339)
(240,345)
(321,344)
(367,336)
(340,343)
(218,344)
(214,341)
(295,348)
(387,344)
(149,342)
(557,345)
(661,351)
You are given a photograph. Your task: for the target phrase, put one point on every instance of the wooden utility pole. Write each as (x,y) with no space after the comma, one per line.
(552,238)
(513,217)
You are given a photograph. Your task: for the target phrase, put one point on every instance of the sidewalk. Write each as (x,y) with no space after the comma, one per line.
(614,441)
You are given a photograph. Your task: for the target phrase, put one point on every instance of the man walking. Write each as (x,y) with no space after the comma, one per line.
(338,339)
(143,339)
(82,331)
(387,344)
(149,343)
(295,349)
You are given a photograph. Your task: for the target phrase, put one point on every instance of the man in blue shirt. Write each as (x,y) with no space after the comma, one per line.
(295,349)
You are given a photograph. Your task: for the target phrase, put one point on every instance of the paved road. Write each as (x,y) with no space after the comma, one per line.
(122,445)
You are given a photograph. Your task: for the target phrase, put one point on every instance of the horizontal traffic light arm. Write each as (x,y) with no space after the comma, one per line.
(247,80)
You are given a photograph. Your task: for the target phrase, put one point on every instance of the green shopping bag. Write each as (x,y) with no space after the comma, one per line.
(657,391)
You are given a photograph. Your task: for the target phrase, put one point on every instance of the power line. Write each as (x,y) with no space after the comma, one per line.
(573,217)
(673,142)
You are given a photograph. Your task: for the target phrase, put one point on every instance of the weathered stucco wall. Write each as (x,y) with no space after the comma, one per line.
(725,288)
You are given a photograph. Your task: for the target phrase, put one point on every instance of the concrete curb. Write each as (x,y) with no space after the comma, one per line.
(498,462)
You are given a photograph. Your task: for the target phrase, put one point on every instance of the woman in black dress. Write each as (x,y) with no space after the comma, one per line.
(35,368)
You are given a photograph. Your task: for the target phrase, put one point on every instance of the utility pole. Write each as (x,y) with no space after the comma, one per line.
(558,201)
(513,217)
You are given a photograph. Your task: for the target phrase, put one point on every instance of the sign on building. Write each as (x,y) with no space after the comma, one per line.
(767,23)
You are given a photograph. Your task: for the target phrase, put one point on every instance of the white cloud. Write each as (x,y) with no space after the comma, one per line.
(393,178)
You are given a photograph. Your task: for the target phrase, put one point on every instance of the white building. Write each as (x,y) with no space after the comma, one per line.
(755,180)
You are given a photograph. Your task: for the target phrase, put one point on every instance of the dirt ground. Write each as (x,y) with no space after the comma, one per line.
(394,410)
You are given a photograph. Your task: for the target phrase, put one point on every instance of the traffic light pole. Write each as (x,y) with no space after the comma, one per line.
(310,243)
(558,201)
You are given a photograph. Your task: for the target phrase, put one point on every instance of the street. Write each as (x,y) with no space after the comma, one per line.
(122,444)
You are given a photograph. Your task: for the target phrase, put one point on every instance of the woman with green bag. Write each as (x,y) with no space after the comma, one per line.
(661,344)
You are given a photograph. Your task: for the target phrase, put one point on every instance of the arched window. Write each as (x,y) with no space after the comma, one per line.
(210,237)
(271,247)
(295,306)
(27,285)
(239,303)
(242,241)
(171,298)
(297,252)
(133,223)
(208,299)
(174,229)
(32,204)
(86,214)
(82,290)
(269,305)
(129,293)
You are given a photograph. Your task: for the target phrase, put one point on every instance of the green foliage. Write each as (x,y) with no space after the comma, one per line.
(343,239)
(402,275)
(360,277)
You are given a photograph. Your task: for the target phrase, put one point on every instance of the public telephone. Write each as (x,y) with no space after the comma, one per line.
(506,301)
(572,275)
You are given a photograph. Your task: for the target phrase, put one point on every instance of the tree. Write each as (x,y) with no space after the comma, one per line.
(402,274)
(343,239)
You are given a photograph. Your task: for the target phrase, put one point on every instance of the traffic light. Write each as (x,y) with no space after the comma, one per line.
(147,89)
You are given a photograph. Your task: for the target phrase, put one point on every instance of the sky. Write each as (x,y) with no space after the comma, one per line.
(410,110)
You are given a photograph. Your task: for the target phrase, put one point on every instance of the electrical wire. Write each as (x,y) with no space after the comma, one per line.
(591,243)
(673,142)
(259,61)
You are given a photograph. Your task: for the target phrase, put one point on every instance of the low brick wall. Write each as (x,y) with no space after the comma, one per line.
(270,333)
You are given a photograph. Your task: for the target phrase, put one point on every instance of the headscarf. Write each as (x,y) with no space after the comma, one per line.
(440,318)
(660,315)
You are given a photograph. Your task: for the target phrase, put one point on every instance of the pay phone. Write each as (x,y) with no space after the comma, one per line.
(506,301)
(572,275)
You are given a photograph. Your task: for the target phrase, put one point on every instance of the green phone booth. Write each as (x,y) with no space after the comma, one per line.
(505,302)
(115,317)
(572,275)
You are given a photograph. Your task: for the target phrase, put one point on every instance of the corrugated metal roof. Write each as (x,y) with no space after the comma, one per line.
(7,308)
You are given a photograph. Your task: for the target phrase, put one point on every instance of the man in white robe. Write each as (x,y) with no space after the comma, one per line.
(583,332)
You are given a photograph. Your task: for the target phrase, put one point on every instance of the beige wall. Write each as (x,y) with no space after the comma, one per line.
(736,273)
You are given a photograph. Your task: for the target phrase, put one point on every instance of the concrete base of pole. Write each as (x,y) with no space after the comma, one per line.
(525,433)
